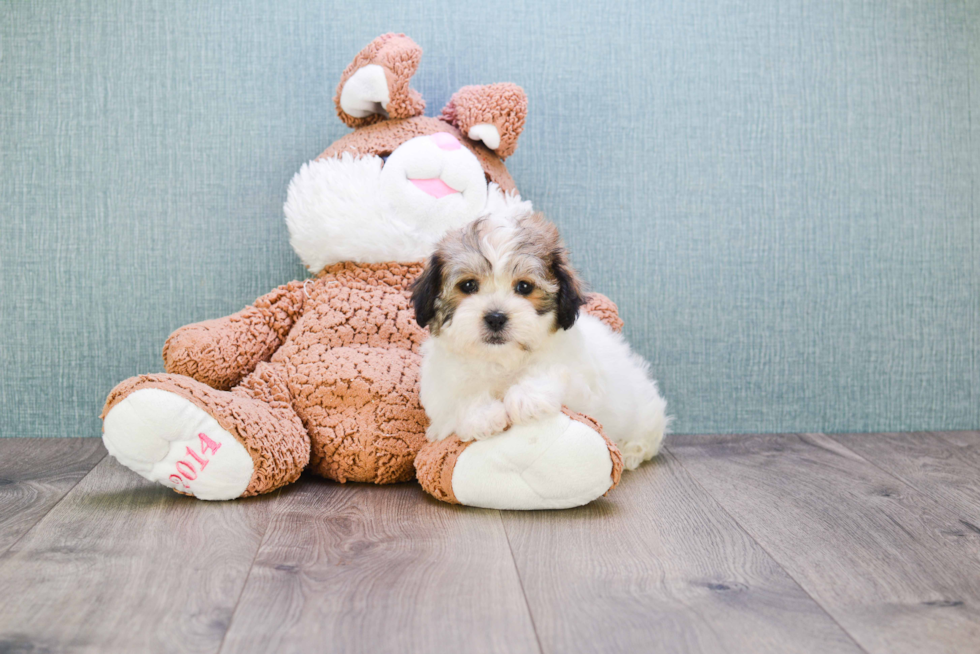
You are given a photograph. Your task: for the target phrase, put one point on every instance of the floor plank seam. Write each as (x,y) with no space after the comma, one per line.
(925,494)
(944,435)
(51,508)
(248,575)
(775,560)
(520,581)
(899,479)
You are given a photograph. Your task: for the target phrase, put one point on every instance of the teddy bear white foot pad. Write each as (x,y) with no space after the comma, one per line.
(554,463)
(170,440)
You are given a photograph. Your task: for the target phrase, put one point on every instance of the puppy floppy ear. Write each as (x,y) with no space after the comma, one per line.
(570,295)
(426,289)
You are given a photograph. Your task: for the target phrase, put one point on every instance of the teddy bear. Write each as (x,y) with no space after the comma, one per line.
(322,375)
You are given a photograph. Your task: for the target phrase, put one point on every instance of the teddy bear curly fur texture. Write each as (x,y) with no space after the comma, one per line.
(323,374)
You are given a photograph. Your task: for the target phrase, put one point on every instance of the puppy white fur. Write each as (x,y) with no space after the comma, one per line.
(508,345)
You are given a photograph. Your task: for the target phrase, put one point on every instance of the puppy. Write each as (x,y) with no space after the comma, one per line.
(508,345)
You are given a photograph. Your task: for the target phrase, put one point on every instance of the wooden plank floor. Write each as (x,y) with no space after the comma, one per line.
(792,543)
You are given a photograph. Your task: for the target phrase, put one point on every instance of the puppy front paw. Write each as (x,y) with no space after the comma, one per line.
(529,402)
(482,421)
(433,434)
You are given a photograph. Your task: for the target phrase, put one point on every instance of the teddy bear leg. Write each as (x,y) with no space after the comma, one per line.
(214,445)
(363,412)
(559,462)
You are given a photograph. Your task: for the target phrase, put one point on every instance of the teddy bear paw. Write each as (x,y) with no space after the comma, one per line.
(555,463)
(169,440)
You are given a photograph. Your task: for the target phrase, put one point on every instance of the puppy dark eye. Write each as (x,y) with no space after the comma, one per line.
(523,288)
(470,286)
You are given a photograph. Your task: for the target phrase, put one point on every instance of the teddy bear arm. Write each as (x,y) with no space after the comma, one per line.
(221,352)
(604,309)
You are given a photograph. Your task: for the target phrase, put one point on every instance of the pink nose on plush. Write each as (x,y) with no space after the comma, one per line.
(434,187)
(446,141)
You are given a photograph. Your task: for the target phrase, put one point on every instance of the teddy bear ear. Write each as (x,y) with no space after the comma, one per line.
(374,87)
(493,114)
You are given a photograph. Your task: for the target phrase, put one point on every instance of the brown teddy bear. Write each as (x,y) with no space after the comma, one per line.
(322,374)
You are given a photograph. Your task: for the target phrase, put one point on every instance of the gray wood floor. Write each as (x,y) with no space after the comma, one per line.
(791,543)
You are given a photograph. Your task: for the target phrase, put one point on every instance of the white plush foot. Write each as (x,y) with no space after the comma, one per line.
(556,463)
(170,440)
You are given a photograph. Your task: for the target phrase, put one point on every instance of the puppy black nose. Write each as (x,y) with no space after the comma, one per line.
(495,320)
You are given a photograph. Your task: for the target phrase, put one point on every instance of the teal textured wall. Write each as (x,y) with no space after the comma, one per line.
(782,196)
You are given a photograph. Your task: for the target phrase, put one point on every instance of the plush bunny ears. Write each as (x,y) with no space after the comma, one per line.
(494,114)
(375,87)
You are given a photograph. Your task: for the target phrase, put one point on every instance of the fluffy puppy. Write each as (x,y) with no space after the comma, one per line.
(508,345)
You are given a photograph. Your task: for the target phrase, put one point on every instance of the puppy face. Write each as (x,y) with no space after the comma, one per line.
(498,288)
